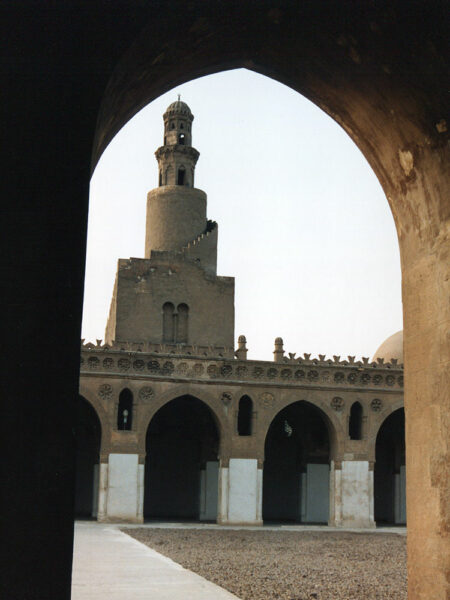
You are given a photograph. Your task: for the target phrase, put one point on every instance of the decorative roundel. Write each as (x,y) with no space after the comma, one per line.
(299,374)
(377,379)
(267,399)
(286,373)
(226,370)
(313,375)
(198,368)
(337,403)
(352,377)
(108,363)
(153,366)
(93,362)
(138,365)
(258,372)
(227,398)
(376,405)
(182,368)
(123,364)
(105,391)
(272,373)
(146,393)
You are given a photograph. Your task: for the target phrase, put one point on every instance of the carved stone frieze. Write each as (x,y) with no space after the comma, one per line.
(337,373)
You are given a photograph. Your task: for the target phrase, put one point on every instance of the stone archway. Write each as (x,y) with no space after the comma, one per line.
(297,466)
(389,472)
(182,468)
(88,433)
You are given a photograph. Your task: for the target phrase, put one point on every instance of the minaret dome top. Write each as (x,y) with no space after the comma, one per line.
(179,108)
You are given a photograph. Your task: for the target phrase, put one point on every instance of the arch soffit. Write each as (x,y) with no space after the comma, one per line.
(97,407)
(384,414)
(148,412)
(378,422)
(316,43)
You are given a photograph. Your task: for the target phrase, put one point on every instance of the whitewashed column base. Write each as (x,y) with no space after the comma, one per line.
(240,493)
(351,495)
(121,490)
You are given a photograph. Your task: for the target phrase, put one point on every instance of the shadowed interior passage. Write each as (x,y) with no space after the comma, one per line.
(182,439)
(296,466)
(87,439)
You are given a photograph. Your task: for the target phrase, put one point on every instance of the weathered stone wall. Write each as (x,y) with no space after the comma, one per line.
(145,285)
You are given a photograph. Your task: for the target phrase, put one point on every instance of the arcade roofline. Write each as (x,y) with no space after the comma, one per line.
(178,362)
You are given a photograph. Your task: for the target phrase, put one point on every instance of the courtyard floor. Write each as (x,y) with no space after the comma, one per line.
(287,563)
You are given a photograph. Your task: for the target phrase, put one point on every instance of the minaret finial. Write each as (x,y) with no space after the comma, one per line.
(179,96)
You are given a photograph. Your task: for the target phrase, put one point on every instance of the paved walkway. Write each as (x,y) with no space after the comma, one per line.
(109,565)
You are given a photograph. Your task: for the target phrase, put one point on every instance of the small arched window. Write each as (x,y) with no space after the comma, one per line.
(244,422)
(125,410)
(168,322)
(172,125)
(181,138)
(168,176)
(355,422)
(181,126)
(182,329)
(160,178)
(181,176)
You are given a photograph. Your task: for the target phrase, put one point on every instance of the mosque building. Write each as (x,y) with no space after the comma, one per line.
(174,422)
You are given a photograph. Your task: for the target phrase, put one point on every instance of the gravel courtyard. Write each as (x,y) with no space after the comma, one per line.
(289,565)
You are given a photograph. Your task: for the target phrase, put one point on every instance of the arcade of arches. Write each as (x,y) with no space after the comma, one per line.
(380,69)
(194,452)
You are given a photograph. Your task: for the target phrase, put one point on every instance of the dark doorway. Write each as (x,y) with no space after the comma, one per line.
(182,461)
(87,439)
(390,474)
(296,466)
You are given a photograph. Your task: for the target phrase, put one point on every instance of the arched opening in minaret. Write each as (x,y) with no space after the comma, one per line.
(181,138)
(297,466)
(181,467)
(390,471)
(87,443)
(181,176)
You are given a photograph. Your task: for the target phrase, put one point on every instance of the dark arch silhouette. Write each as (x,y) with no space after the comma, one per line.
(87,442)
(389,475)
(296,465)
(182,444)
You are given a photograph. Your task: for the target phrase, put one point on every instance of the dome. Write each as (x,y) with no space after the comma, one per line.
(392,347)
(180,108)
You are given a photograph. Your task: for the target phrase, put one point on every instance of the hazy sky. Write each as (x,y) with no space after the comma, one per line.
(304,225)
